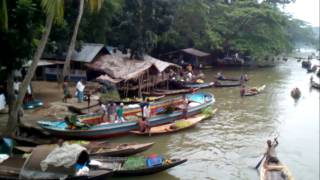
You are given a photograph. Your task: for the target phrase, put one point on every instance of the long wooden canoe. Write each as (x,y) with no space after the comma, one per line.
(117,164)
(227,83)
(197,85)
(139,100)
(275,172)
(230,79)
(103,148)
(160,92)
(168,128)
(258,91)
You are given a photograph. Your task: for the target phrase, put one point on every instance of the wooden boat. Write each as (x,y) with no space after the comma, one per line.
(254,91)
(197,85)
(172,127)
(103,148)
(229,78)
(20,168)
(160,92)
(226,84)
(93,130)
(315,85)
(31,136)
(139,100)
(275,172)
(32,104)
(120,169)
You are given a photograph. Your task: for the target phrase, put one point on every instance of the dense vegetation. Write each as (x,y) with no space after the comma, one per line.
(219,26)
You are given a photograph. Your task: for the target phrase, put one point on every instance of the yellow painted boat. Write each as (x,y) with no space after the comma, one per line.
(168,128)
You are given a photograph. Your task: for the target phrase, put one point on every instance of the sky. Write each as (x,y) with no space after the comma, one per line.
(307,10)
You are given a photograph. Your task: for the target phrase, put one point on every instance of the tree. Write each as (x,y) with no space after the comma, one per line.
(54,11)
(95,5)
(140,25)
(3,15)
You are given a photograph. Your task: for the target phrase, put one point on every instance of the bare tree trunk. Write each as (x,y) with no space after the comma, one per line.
(10,90)
(13,115)
(66,66)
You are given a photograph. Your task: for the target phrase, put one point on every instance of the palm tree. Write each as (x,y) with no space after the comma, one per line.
(94,5)
(3,15)
(54,10)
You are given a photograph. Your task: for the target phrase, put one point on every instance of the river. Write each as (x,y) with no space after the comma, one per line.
(229,145)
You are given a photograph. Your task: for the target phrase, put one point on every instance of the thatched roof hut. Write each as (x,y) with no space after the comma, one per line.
(131,74)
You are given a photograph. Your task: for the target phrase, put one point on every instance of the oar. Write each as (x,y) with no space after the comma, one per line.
(264,155)
(259,163)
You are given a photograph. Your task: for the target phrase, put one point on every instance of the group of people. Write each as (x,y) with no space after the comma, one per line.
(112,112)
(187,75)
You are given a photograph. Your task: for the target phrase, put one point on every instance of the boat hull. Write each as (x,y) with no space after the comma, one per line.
(59,128)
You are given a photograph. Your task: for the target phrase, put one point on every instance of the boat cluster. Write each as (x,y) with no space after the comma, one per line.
(97,159)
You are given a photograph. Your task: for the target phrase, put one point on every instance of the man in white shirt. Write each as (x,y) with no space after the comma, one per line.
(80,89)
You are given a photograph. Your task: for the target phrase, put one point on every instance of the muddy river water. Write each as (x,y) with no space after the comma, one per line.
(229,145)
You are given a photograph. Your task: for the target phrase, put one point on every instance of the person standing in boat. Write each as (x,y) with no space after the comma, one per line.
(103,109)
(185,106)
(242,90)
(112,113)
(271,156)
(120,113)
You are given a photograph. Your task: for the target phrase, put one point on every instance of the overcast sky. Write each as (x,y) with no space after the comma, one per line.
(307,10)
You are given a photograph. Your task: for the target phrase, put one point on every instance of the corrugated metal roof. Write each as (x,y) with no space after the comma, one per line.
(87,53)
(195,52)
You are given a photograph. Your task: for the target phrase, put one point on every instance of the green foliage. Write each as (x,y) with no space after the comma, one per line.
(3,15)
(54,8)
(110,96)
(25,26)
(140,25)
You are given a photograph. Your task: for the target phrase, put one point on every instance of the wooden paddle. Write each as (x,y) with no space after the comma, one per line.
(264,155)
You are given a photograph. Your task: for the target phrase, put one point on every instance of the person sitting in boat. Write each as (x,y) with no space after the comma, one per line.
(71,124)
(220,75)
(242,90)
(271,156)
(144,125)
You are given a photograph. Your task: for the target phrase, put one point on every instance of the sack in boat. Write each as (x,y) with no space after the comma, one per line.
(133,163)
(154,160)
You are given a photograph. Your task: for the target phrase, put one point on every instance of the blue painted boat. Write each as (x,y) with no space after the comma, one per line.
(33,104)
(199,101)
(198,85)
